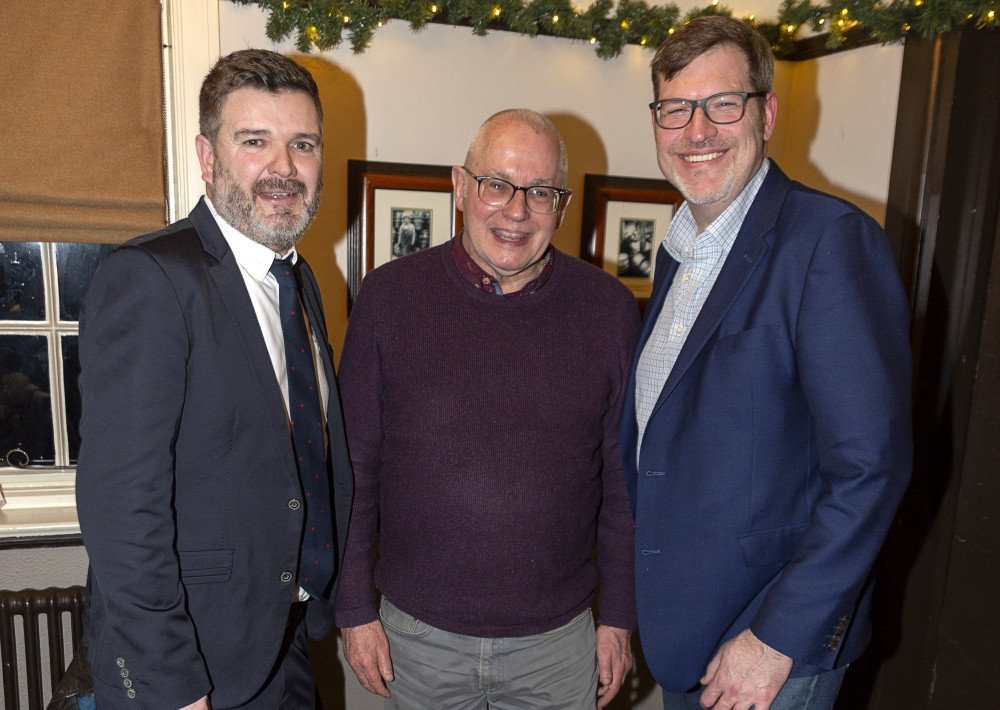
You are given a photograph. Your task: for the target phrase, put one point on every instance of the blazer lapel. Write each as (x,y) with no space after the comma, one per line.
(229,279)
(750,246)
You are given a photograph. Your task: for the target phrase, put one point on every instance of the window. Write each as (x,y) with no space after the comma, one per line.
(42,287)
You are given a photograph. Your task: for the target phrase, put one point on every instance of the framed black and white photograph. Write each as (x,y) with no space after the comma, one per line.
(395,209)
(624,221)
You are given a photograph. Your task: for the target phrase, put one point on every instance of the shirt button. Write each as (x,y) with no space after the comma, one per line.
(687,277)
(294,504)
(679,329)
(286,576)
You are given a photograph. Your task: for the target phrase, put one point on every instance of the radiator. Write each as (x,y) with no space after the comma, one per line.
(32,627)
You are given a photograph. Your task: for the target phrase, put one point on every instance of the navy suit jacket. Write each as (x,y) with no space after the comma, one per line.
(780,445)
(186,474)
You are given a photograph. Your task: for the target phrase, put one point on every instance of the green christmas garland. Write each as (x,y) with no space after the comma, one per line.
(610,26)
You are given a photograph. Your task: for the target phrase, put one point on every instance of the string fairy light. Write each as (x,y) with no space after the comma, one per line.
(640,24)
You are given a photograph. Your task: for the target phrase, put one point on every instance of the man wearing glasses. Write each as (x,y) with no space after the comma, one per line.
(483,421)
(766,433)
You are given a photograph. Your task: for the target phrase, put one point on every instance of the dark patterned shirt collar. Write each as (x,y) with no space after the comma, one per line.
(472,272)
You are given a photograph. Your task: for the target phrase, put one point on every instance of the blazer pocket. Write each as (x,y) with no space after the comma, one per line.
(771,547)
(205,566)
(761,337)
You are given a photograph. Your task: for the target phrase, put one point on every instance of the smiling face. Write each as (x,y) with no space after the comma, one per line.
(710,163)
(509,242)
(264,171)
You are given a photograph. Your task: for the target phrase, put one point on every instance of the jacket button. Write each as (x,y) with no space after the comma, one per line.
(120,662)
(287,576)
(124,672)
(131,693)
(294,504)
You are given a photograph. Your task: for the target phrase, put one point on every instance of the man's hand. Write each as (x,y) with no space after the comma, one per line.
(199,704)
(614,661)
(745,673)
(367,651)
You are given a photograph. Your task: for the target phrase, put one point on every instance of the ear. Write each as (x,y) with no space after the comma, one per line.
(458,186)
(206,157)
(770,114)
(562,207)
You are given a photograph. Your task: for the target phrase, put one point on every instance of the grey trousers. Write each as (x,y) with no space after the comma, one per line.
(556,670)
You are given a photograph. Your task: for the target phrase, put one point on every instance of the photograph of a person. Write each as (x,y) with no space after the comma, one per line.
(411,230)
(635,252)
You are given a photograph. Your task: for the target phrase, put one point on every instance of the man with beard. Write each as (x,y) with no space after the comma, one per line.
(766,432)
(213,485)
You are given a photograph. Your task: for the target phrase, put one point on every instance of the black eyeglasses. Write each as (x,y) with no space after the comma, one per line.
(719,108)
(497,192)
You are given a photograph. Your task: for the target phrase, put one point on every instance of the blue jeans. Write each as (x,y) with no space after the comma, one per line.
(813,692)
(439,670)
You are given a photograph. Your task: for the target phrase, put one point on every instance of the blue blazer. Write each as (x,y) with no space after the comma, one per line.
(780,445)
(186,473)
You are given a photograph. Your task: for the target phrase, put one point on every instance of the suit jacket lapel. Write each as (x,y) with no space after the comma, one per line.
(750,246)
(229,280)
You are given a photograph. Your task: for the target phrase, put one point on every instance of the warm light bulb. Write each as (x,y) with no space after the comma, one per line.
(624,24)
(593,40)
(642,41)
(496,12)
(822,20)
(555,18)
(670,31)
(791,28)
(347,19)
(844,11)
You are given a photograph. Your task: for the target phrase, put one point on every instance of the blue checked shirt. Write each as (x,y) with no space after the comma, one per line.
(701,257)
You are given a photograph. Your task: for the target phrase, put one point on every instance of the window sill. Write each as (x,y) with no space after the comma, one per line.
(38,504)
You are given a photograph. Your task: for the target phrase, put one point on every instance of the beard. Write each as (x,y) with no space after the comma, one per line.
(279,230)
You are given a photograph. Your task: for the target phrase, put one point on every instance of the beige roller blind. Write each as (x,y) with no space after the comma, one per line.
(81,120)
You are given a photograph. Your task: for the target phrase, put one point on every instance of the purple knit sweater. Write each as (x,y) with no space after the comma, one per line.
(483,430)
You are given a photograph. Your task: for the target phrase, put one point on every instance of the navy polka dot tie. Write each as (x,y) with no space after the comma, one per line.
(308,435)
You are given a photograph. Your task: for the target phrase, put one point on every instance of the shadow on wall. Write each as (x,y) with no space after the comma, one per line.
(797,128)
(587,154)
(344,136)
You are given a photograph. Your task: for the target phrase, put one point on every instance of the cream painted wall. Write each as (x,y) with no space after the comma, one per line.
(419,97)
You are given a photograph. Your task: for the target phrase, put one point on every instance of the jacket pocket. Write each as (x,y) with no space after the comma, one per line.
(204,566)
(771,547)
(761,337)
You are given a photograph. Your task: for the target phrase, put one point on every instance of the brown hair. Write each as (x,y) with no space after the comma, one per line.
(706,33)
(250,69)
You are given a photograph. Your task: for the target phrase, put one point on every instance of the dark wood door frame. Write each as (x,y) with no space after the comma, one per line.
(935,643)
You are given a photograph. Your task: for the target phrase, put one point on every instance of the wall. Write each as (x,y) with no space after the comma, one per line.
(419,97)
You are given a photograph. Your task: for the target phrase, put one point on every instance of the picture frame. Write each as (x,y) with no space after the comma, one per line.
(395,209)
(624,221)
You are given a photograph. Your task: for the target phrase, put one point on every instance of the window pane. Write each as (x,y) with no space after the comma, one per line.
(25,404)
(75,267)
(71,391)
(22,288)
